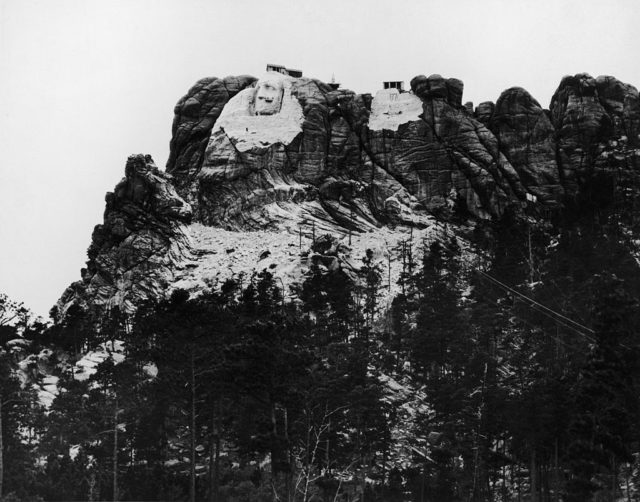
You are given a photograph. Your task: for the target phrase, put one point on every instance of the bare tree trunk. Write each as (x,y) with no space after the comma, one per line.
(216,471)
(307,456)
(504,472)
(91,494)
(192,426)
(274,433)
(214,453)
(115,451)
(1,450)
(288,480)
(614,480)
(327,458)
(384,468)
(556,474)
(212,486)
(533,476)
(217,437)
(513,482)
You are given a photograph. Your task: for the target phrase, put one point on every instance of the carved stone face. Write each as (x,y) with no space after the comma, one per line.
(268,98)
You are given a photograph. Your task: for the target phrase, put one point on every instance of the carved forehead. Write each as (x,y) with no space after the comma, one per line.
(270,84)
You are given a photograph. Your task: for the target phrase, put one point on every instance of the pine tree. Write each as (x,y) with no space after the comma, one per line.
(19,410)
(605,414)
(176,336)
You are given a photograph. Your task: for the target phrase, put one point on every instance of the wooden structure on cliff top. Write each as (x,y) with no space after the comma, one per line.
(394,84)
(285,71)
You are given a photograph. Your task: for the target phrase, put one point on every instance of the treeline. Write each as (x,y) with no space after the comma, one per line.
(237,394)
(533,389)
(504,378)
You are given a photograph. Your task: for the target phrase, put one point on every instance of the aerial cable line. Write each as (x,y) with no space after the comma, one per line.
(496,281)
(545,310)
(542,308)
(558,321)
(587,337)
(535,302)
(529,323)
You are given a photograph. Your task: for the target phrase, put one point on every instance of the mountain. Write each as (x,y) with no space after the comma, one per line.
(261,167)
(427,302)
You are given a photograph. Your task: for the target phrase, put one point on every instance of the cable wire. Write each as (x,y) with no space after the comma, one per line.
(496,281)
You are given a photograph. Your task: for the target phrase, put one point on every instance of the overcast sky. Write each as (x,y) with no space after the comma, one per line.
(85,83)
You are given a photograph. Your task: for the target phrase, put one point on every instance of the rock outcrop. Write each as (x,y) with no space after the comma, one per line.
(526,137)
(278,153)
(133,254)
(448,159)
(195,115)
(587,113)
(342,158)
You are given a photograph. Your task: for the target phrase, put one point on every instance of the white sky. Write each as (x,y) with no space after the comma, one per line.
(85,83)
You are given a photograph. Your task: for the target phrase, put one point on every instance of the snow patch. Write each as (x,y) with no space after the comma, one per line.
(220,254)
(88,364)
(411,405)
(74,451)
(151,370)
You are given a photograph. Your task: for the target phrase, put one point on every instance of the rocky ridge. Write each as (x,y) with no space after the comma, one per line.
(276,161)
(142,242)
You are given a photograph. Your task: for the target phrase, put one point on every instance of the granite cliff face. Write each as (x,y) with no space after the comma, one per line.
(195,115)
(291,157)
(134,253)
(348,158)
(588,114)
(526,137)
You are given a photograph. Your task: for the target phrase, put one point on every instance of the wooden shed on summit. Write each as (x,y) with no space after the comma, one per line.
(394,84)
(285,71)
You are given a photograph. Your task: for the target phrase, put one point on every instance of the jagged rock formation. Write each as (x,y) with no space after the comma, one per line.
(343,164)
(526,137)
(587,113)
(134,253)
(292,154)
(195,115)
